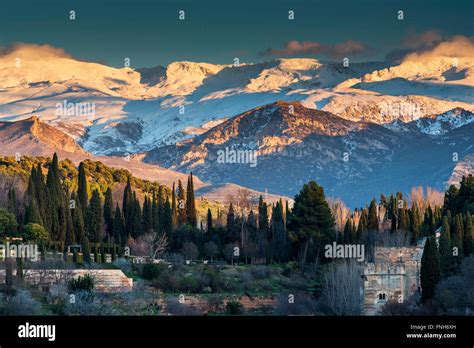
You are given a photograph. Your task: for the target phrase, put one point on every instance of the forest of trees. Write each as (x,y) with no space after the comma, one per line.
(57,216)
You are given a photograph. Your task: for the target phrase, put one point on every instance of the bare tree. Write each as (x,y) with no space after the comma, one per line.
(150,244)
(340,212)
(341,293)
(434,198)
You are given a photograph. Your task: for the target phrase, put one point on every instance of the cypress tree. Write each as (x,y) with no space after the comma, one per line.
(70,235)
(372,219)
(94,220)
(362,227)
(147,217)
(82,188)
(119,228)
(161,209)
(136,217)
(415,224)
(190,202)
(445,250)
(167,218)
(209,221)
(348,232)
(109,212)
(231,228)
(468,235)
(78,222)
(127,208)
(56,202)
(430,274)
(174,212)
(155,216)
(32,213)
(11,206)
(181,202)
(458,237)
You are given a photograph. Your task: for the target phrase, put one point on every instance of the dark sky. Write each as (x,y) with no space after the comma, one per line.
(150,33)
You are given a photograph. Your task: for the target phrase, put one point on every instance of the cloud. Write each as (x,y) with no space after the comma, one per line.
(33,50)
(456,46)
(422,41)
(297,48)
(431,43)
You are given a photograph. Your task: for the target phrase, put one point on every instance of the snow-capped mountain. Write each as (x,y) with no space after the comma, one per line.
(138,110)
(282,145)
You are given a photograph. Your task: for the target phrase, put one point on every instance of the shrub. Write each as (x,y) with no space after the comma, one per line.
(234,307)
(151,271)
(176,308)
(21,304)
(82,283)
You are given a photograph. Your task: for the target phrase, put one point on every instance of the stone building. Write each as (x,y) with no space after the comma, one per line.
(393,276)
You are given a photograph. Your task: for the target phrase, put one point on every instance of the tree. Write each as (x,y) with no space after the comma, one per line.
(118,224)
(311,220)
(231,225)
(468,235)
(78,223)
(190,251)
(373,222)
(340,293)
(415,223)
(11,207)
(458,237)
(109,212)
(147,217)
(211,250)
(181,204)
(127,208)
(445,250)
(174,212)
(35,232)
(33,213)
(57,205)
(82,188)
(430,273)
(8,224)
(190,202)
(94,221)
(209,221)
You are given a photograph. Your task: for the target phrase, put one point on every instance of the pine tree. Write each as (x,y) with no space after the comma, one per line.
(430,274)
(82,187)
(311,220)
(109,212)
(94,218)
(181,203)
(445,250)
(190,202)
(372,219)
(209,221)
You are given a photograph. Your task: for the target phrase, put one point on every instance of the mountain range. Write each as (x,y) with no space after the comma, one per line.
(358,130)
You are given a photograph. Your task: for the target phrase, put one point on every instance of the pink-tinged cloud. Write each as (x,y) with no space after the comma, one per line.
(456,46)
(418,41)
(296,48)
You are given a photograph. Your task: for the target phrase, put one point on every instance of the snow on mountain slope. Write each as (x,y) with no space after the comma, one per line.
(137,110)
